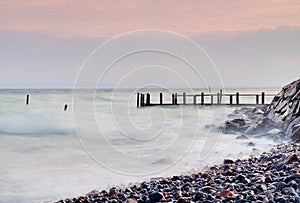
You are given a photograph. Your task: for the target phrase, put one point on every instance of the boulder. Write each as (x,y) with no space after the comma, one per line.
(251,144)
(242,137)
(236,125)
(284,110)
(261,125)
(296,132)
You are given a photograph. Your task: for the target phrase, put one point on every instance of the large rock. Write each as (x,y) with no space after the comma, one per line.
(295,135)
(285,109)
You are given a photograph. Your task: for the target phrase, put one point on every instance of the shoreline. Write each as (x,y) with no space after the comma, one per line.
(272,176)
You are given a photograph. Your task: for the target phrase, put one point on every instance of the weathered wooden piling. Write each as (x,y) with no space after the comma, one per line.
(237,98)
(27,99)
(262,98)
(257,99)
(211,99)
(138,100)
(148,99)
(231,99)
(175,99)
(66,107)
(195,100)
(218,98)
(221,94)
(161,98)
(184,98)
(202,98)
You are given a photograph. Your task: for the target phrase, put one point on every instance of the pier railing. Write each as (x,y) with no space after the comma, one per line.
(201,99)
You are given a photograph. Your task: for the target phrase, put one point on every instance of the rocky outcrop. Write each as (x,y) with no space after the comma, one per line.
(280,119)
(285,109)
(252,121)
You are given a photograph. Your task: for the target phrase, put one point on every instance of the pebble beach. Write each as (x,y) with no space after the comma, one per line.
(270,177)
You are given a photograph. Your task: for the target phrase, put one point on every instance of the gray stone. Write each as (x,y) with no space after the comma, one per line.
(251,144)
(296,132)
(156,197)
(242,137)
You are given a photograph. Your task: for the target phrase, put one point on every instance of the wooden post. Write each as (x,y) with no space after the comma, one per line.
(218,98)
(66,107)
(262,98)
(27,99)
(195,100)
(175,99)
(257,99)
(138,100)
(237,98)
(231,99)
(202,98)
(221,94)
(148,99)
(211,99)
(161,98)
(184,98)
(142,100)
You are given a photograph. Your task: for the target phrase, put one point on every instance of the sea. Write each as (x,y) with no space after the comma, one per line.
(102,139)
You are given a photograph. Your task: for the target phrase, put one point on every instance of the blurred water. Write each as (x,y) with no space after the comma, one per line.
(104,140)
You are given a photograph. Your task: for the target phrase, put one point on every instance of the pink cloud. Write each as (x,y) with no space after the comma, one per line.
(96,18)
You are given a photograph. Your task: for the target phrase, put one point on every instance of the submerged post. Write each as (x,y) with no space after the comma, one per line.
(237,98)
(184,98)
(148,99)
(161,98)
(221,94)
(211,99)
(218,98)
(202,98)
(263,98)
(175,99)
(138,100)
(195,100)
(27,99)
(231,99)
(66,107)
(257,99)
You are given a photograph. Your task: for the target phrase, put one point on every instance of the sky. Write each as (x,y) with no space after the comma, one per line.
(45,44)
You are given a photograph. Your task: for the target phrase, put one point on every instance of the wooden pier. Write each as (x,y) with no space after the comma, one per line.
(203,99)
